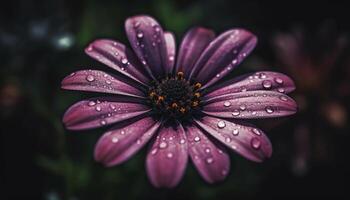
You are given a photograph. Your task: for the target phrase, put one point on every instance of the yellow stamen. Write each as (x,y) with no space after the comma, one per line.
(197,86)
(180,75)
(174,105)
(197,94)
(195,103)
(152,94)
(182,110)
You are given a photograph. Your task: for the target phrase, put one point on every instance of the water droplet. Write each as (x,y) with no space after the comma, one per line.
(124,61)
(255,142)
(169,155)
(197,139)
(108,82)
(209,160)
(157,28)
(122,132)
(182,141)
(279,80)
(162,145)
(140,35)
(115,44)
(256,131)
(90,78)
(116,53)
(220,151)
(262,75)
(269,109)
(243,89)
(235,113)
(254,113)
(267,84)
(112,106)
(234,61)
(72,74)
(227,104)
(138,141)
(281,90)
(207,150)
(243,107)
(89,48)
(91,103)
(115,139)
(228,139)
(283,98)
(221,124)
(136,24)
(98,108)
(235,132)
(144,62)
(217,75)
(154,151)
(171,58)
(103,122)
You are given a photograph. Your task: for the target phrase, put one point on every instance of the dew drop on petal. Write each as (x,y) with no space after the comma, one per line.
(154,151)
(235,113)
(234,61)
(163,145)
(283,98)
(228,139)
(254,113)
(122,132)
(169,155)
(115,139)
(243,107)
(140,35)
(255,142)
(262,75)
(90,78)
(279,80)
(197,139)
(91,103)
(124,61)
(98,108)
(267,84)
(281,90)
(235,132)
(227,104)
(182,141)
(103,122)
(138,141)
(209,160)
(269,109)
(207,150)
(221,124)
(256,131)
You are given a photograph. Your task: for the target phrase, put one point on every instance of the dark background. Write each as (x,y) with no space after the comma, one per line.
(43,41)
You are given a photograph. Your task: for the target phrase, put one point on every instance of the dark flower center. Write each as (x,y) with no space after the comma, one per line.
(175,97)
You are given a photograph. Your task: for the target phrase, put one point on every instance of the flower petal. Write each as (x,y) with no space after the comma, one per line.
(222,55)
(118,57)
(192,46)
(264,80)
(212,162)
(171,49)
(146,37)
(245,139)
(251,104)
(97,112)
(99,81)
(166,161)
(124,140)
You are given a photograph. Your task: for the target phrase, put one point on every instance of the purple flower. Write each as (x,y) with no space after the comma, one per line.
(184,106)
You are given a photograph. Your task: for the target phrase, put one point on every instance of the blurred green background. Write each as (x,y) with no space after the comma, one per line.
(43,41)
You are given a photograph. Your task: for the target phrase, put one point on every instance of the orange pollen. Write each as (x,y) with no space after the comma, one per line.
(197,86)
(152,94)
(182,110)
(174,105)
(180,75)
(195,103)
(197,94)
